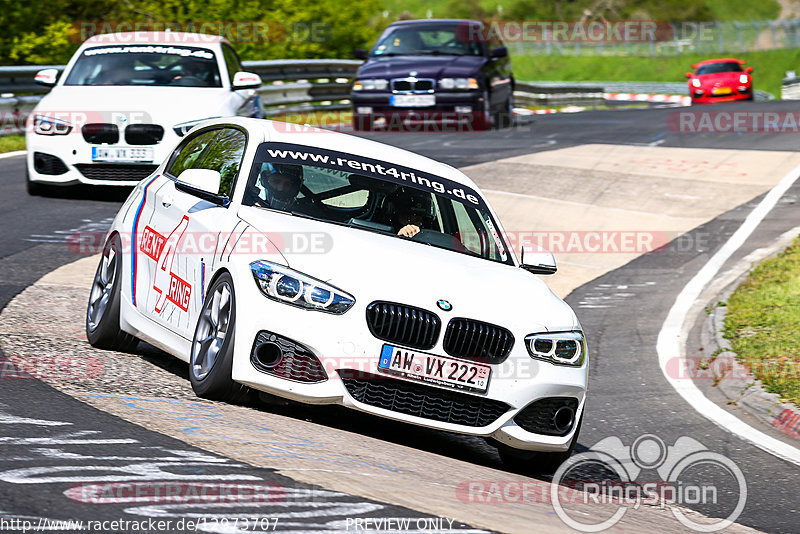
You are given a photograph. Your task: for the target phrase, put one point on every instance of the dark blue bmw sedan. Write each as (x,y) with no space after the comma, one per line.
(452,73)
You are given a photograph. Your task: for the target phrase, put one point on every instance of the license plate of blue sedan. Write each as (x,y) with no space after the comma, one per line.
(439,370)
(412,101)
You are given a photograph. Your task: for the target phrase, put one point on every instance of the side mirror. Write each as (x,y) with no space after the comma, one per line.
(47,77)
(500,51)
(748,70)
(360,53)
(246,80)
(538,261)
(688,74)
(202,179)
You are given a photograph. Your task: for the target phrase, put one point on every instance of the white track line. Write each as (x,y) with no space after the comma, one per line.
(12,154)
(672,338)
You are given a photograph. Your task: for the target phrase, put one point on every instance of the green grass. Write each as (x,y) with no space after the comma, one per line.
(11,143)
(724,10)
(763,320)
(769,67)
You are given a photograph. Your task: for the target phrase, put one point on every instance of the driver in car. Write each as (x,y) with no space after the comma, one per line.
(278,185)
(413,211)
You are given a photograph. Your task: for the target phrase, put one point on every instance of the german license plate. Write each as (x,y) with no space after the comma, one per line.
(440,370)
(721,90)
(122,153)
(412,101)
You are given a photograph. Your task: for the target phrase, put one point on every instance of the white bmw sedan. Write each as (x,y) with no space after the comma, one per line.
(125,99)
(325,268)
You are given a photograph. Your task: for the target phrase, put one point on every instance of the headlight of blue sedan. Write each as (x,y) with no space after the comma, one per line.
(288,286)
(562,348)
(459,83)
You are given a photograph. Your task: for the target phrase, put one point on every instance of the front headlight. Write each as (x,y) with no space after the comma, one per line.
(743,78)
(458,83)
(286,285)
(184,127)
(695,82)
(44,125)
(562,348)
(370,85)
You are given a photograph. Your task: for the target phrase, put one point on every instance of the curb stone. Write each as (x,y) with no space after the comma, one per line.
(736,382)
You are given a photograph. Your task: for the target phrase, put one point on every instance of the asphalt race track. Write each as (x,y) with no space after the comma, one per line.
(46,433)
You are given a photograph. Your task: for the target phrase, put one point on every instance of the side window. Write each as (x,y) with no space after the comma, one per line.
(225,155)
(231,61)
(189,154)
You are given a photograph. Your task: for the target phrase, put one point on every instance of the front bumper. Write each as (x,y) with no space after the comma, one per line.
(67,160)
(347,351)
(703,96)
(458,106)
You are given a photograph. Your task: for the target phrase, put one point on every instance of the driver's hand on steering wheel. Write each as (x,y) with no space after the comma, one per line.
(409,230)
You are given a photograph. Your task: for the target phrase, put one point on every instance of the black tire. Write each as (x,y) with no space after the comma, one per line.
(482,120)
(539,463)
(505,117)
(102,312)
(209,372)
(35,189)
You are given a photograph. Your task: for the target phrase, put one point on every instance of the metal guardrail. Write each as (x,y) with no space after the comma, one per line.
(296,86)
(790,87)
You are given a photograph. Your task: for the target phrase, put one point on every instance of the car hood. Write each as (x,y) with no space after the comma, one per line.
(145,105)
(373,267)
(424,66)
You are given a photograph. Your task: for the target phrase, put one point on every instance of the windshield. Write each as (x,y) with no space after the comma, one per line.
(374,196)
(452,39)
(146,65)
(714,68)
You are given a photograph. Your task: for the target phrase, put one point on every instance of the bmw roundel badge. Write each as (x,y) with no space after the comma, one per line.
(444,305)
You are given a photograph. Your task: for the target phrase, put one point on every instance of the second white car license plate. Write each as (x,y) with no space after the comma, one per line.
(440,370)
(413,101)
(122,153)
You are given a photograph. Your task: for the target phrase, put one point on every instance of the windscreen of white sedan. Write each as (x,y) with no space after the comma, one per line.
(151,65)
(374,196)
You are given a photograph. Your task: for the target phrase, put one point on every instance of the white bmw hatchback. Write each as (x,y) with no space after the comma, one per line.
(325,268)
(123,102)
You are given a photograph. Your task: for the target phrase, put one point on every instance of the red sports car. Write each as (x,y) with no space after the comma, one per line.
(720,80)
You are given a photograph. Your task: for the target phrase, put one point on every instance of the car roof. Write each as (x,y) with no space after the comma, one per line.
(721,60)
(281,132)
(434,21)
(201,40)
